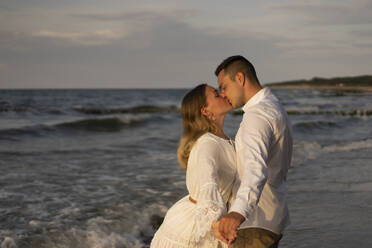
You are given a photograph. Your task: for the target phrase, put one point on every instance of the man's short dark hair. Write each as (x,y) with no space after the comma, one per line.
(235,64)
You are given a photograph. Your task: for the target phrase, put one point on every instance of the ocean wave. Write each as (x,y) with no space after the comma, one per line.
(132,110)
(13,134)
(112,124)
(103,124)
(331,112)
(9,107)
(19,153)
(20,108)
(305,150)
(310,150)
(315,125)
(8,242)
(310,111)
(55,112)
(40,110)
(12,109)
(112,227)
(345,147)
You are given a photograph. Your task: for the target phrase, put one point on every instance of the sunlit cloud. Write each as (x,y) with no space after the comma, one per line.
(98,37)
(137,15)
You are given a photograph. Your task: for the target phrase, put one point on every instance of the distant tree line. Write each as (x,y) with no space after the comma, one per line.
(364,80)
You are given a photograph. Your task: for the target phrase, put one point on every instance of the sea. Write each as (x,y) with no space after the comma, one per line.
(97,168)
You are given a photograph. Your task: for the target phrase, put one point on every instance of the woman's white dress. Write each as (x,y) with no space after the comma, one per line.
(210,177)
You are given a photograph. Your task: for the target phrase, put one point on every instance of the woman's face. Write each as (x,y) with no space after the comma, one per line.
(216,104)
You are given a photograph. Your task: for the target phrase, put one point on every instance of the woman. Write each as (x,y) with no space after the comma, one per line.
(208,156)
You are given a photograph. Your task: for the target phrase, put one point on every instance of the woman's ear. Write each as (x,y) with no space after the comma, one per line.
(204,112)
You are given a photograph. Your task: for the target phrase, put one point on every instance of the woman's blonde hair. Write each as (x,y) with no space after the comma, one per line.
(194,123)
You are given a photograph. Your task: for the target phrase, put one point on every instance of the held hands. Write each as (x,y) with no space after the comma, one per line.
(226,228)
(216,232)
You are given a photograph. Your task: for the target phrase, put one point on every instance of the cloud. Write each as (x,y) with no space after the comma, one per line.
(168,48)
(95,38)
(5,8)
(364,34)
(322,29)
(3,67)
(326,12)
(136,21)
(155,48)
(156,33)
(139,15)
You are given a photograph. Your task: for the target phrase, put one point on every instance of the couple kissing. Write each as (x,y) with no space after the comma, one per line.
(237,189)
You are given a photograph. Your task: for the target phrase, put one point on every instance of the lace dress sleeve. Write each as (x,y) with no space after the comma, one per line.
(210,205)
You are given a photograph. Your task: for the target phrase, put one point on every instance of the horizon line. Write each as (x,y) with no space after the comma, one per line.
(172,88)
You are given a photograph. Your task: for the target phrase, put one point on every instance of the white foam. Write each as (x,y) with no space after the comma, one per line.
(365,187)
(166,193)
(141,177)
(301,109)
(110,178)
(8,243)
(96,239)
(129,118)
(179,183)
(123,226)
(355,145)
(34,224)
(305,150)
(69,211)
(98,221)
(101,234)
(151,191)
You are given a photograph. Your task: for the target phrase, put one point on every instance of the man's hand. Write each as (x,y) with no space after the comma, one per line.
(229,224)
(216,232)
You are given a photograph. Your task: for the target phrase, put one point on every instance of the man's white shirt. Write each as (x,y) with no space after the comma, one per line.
(264,151)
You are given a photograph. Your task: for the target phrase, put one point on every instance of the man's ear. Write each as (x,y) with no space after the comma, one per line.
(240,78)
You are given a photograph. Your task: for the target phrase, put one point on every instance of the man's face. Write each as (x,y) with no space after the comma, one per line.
(231,90)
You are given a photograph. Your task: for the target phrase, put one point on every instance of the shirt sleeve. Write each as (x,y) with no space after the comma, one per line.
(210,205)
(254,138)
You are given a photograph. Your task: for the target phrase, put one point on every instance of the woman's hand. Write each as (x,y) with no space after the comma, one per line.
(216,232)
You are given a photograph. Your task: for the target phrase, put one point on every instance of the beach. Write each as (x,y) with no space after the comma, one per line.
(98,168)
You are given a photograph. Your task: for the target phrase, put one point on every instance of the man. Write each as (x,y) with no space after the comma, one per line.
(264,150)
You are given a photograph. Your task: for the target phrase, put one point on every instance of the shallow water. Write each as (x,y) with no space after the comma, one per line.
(98,168)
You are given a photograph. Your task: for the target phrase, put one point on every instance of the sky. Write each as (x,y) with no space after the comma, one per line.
(178,44)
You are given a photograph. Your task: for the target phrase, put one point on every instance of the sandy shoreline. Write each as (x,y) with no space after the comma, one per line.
(323,87)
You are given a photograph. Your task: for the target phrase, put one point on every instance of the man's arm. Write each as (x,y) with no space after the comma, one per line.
(254,142)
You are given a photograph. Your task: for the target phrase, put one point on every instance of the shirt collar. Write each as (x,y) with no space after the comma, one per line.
(258,97)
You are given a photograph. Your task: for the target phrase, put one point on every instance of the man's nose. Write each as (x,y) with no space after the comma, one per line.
(223,95)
